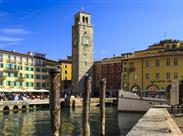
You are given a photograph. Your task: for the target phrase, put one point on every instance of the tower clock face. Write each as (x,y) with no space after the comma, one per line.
(85,41)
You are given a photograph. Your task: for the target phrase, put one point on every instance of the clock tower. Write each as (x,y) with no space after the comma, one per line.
(82,50)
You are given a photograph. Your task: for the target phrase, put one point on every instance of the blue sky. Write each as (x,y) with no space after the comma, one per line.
(120,26)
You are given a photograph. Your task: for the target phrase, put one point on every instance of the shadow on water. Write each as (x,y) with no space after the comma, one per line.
(37,123)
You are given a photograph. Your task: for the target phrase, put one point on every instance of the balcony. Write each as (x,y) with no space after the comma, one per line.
(20,79)
(2,78)
(15,70)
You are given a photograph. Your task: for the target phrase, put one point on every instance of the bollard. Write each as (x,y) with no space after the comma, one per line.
(54,101)
(102,106)
(86,106)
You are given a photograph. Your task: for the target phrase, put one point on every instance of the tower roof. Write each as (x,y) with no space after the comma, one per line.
(82,12)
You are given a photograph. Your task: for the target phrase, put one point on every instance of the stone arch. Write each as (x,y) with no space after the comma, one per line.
(168,87)
(152,87)
(135,88)
(6,108)
(173,46)
(15,107)
(24,107)
(168,46)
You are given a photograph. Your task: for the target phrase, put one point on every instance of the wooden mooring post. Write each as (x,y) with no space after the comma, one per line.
(86,106)
(54,101)
(102,106)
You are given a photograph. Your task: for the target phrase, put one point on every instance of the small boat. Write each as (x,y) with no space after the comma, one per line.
(140,101)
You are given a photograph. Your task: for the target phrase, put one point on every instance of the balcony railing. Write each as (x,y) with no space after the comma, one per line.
(15,70)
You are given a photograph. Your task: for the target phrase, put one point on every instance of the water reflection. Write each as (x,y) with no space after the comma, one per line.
(37,123)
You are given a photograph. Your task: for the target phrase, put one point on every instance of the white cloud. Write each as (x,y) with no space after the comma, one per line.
(9,39)
(14,31)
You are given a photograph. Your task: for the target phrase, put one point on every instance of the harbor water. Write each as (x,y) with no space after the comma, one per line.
(37,123)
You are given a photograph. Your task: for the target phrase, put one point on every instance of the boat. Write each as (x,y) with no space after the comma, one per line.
(140,101)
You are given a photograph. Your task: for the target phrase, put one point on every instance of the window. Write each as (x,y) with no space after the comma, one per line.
(147,76)
(65,66)
(175,62)
(104,70)
(167,75)
(87,20)
(21,83)
(168,62)
(157,76)
(38,70)
(83,19)
(20,60)
(119,69)
(176,76)
(157,63)
(111,70)
(147,64)
(38,77)
(44,85)
(15,58)
(65,78)
(32,76)
(27,61)
(65,72)
(38,84)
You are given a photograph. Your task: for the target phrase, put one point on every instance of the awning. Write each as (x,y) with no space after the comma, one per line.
(16,90)
(34,90)
(2,90)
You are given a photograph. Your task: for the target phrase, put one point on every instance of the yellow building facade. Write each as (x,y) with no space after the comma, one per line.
(153,68)
(66,73)
(66,69)
(23,71)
